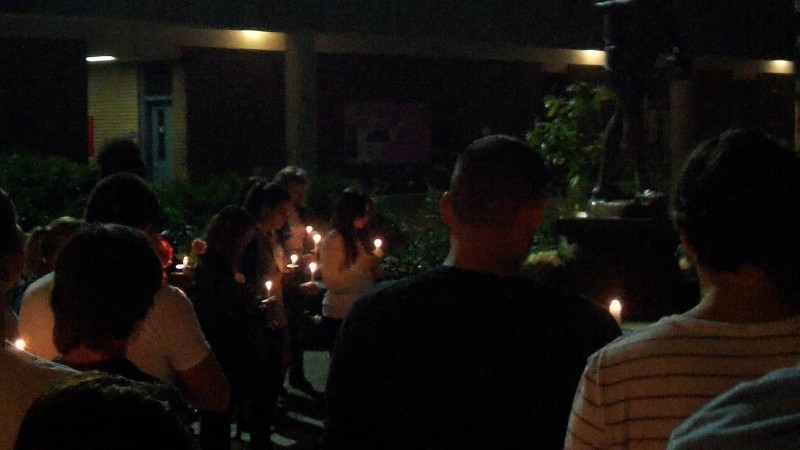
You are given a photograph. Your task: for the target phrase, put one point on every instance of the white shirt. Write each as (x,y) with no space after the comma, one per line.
(168,339)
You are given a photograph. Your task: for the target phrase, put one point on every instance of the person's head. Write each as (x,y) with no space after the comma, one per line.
(121,155)
(124,199)
(105,280)
(99,411)
(12,241)
(295,180)
(228,233)
(269,205)
(44,243)
(249,185)
(498,185)
(737,202)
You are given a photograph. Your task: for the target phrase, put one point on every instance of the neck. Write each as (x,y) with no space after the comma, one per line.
(482,252)
(747,296)
(85,355)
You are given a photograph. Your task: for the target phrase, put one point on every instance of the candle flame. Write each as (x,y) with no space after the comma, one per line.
(312,266)
(294,258)
(378,243)
(20,344)
(185,261)
(269,285)
(317,238)
(309,229)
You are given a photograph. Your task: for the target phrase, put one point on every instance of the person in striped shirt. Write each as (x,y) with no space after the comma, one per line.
(737,209)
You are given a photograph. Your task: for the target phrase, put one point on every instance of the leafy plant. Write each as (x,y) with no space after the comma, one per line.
(45,187)
(570,137)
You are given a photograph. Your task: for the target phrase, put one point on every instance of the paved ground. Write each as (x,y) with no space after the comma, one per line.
(299,424)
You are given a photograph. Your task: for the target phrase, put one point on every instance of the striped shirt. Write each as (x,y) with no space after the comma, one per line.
(637,389)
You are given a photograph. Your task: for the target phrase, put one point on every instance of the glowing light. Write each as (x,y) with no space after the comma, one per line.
(312,266)
(591,57)
(378,243)
(309,229)
(102,58)
(778,66)
(268,284)
(615,308)
(581,215)
(20,344)
(317,237)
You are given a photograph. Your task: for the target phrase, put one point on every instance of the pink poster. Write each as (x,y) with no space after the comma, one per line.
(388,133)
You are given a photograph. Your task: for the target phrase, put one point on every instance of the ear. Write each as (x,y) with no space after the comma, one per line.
(446,208)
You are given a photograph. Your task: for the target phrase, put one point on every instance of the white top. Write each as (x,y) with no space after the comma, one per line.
(168,339)
(344,283)
(23,378)
(637,389)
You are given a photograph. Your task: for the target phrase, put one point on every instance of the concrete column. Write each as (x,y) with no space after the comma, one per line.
(301,99)
(681,120)
(797,76)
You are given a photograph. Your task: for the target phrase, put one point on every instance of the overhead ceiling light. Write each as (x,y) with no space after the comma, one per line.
(105,58)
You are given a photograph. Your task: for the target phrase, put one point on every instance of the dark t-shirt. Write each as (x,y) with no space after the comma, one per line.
(460,359)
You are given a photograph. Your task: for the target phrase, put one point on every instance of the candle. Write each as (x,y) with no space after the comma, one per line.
(615,308)
(309,229)
(20,344)
(268,284)
(378,243)
(312,266)
(185,261)
(317,238)
(294,259)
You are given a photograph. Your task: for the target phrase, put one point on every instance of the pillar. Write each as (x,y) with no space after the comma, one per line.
(301,99)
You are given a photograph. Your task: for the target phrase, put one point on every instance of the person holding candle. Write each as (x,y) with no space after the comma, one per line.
(234,326)
(469,355)
(736,207)
(348,267)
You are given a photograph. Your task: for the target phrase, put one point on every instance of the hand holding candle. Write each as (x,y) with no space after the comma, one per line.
(294,259)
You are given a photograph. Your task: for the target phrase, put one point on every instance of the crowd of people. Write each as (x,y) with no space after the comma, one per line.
(466,355)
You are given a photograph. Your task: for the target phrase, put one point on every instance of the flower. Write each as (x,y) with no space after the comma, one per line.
(199,246)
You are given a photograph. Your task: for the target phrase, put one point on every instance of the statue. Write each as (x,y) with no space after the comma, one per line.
(636,32)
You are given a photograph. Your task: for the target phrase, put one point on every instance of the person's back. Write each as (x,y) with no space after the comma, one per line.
(456,358)
(737,210)
(468,355)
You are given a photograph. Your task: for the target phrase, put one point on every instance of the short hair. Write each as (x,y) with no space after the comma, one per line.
(43,244)
(124,199)
(105,280)
(291,175)
(99,411)
(265,198)
(121,155)
(738,202)
(494,178)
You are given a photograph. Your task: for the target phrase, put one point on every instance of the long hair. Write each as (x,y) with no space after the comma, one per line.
(351,205)
(225,232)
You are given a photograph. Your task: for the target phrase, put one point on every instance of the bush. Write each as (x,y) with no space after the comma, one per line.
(45,187)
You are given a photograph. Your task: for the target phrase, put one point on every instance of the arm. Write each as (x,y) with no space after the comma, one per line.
(587,422)
(204,385)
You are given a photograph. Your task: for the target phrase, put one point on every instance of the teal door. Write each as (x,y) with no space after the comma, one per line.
(159,151)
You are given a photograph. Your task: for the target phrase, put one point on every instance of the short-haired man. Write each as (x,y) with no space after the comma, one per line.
(170,344)
(737,210)
(470,354)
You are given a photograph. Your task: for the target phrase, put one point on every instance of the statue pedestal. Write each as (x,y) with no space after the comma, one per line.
(632,259)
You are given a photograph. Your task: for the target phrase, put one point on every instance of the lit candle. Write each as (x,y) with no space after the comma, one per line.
(294,259)
(317,238)
(312,266)
(268,284)
(185,261)
(615,308)
(378,243)
(309,229)
(20,344)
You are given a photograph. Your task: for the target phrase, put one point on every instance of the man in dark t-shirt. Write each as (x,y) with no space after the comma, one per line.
(468,355)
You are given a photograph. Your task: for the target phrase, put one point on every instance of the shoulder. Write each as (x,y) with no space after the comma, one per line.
(40,289)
